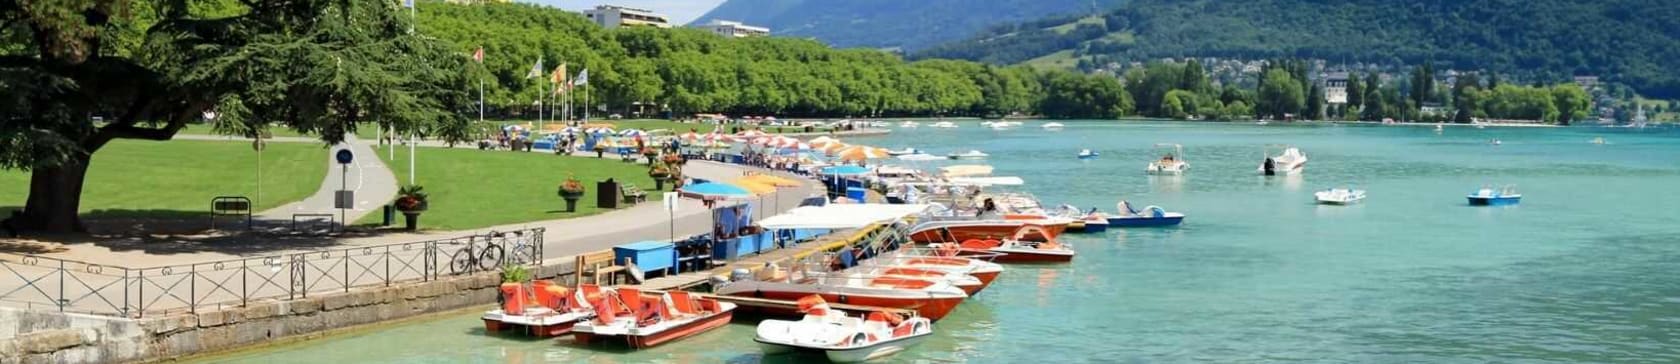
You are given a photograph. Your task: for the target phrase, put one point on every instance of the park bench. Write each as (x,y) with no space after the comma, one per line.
(632,194)
(597,264)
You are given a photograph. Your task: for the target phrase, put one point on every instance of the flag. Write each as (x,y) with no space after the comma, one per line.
(408,4)
(559,78)
(478,55)
(536,70)
(582,78)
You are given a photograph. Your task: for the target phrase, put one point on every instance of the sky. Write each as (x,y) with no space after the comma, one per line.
(680,11)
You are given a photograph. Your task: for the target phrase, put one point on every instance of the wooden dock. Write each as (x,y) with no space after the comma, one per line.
(783,257)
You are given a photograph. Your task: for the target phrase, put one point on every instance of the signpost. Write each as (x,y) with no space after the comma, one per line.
(671,199)
(344,198)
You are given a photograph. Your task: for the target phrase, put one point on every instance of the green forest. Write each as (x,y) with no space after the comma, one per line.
(907,25)
(687,71)
(1633,42)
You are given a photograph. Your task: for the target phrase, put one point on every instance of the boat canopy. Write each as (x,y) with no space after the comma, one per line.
(966,170)
(840,216)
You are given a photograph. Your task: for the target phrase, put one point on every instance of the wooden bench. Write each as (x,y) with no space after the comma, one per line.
(632,194)
(597,264)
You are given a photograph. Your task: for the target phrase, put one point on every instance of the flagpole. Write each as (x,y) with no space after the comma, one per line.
(586,101)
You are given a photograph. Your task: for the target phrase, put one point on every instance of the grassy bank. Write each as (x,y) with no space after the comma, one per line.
(470,188)
(141,178)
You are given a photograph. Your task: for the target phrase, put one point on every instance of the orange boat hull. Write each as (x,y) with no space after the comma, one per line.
(931,308)
(985,232)
(540,331)
(655,339)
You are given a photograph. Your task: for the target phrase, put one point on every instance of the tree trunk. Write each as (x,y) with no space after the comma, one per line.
(55,196)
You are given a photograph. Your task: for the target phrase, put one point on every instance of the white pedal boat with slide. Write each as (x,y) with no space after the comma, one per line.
(843,338)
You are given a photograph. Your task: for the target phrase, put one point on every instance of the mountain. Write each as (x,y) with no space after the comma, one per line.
(1635,42)
(905,24)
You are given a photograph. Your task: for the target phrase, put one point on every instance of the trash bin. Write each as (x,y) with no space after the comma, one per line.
(390,214)
(606,194)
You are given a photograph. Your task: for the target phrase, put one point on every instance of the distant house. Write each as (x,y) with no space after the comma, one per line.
(610,16)
(1587,82)
(733,29)
(1335,88)
(1434,108)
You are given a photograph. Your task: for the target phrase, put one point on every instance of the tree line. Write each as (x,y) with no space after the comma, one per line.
(685,71)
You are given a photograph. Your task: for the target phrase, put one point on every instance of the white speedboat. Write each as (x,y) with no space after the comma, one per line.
(843,338)
(1172,161)
(905,151)
(932,299)
(1087,154)
(1052,126)
(909,124)
(1000,126)
(971,154)
(1288,162)
(944,125)
(1340,196)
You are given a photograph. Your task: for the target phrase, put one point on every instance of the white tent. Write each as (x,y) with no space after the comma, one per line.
(840,216)
(988,181)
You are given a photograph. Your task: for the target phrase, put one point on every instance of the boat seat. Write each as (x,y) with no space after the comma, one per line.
(683,303)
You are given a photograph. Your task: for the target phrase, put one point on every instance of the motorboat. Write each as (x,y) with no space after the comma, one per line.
(1289,161)
(1339,196)
(969,284)
(548,311)
(909,124)
(1087,154)
(943,125)
(905,151)
(840,337)
(932,299)
(1496,142)
(1014,249)
(1262,122)
(1172,161)
(955,230)
(1439,128)
(1599,141)
(1000,126)
(921,157)
(646,320)
(1488,196)
(1150,216)
(984,270)
(1052,126)
(971,154)
(1084,222)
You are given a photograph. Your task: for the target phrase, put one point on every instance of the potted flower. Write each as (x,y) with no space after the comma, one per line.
(660,173)
(411,200)
(673,159)
(571,190)
(650,153)
(599,150)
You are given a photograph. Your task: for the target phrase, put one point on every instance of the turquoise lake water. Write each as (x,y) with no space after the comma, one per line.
(1584,270)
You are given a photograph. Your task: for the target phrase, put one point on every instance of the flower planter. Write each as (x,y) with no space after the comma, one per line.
(411,220)
(571,200)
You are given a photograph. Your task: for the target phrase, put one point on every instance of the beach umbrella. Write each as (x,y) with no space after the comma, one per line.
(753,186)
(793,146)
(830,148)
(513,128)
(750,134)
(634,133)
(690,137)
(570,130)
(772,180)
(822,141)
(762,141)
(860,152)
(714,191)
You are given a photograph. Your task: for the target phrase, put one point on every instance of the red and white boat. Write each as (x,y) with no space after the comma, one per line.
(843,338)
(983,270)
(645,320)
(969,284)
(932,299)
(550,311)
(1014,250)
(955,230)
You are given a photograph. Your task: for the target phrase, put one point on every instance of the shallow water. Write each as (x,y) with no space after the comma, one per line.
(1582,270)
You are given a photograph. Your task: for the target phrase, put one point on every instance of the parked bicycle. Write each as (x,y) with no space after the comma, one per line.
(493,253)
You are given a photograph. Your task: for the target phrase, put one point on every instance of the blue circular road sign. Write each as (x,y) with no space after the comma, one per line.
(344,156)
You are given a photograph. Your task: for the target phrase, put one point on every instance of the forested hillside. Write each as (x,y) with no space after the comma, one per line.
(1635,42)
(689,71)
(910,25)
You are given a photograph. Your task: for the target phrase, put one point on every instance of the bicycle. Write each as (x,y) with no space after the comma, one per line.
(487,258)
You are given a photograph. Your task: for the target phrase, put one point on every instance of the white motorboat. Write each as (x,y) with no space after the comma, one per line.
(1288,162)
(843,338)
(944,125)
(1000,126)
(1052,126)
(1172,160)
(971,154)
(920,157)
(909,124)
(1087,154)
(932,299)
(1340,196)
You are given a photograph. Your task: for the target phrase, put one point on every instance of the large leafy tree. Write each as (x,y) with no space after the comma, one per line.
(146,68)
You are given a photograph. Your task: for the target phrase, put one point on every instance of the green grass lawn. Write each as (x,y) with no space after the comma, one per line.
(1063,60)
(135,178)
(470,188)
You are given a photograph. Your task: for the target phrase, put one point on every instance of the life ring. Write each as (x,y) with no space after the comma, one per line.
(860,339)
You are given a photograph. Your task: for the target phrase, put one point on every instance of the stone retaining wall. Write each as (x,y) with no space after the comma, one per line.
(54,337)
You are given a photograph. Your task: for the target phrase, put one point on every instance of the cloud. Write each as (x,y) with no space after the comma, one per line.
(680,11)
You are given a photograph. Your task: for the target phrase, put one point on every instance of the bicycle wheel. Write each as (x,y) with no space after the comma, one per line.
(461,261)
(523,253)
(491,257)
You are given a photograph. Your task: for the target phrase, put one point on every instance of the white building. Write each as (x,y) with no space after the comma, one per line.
(733,29)
(609,16)
(1335,88)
